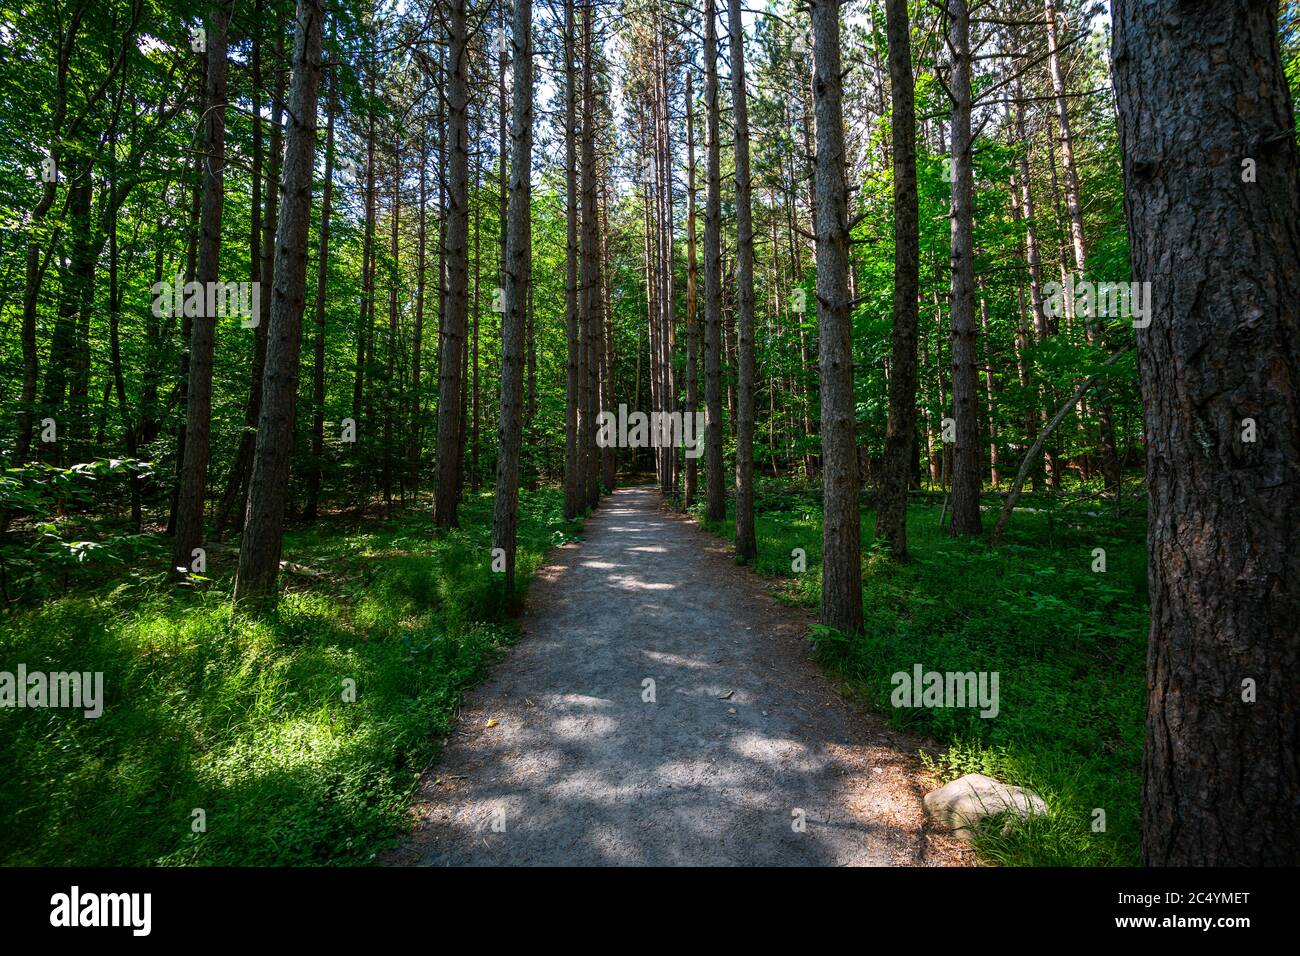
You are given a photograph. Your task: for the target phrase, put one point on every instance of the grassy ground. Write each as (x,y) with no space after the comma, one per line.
(1068,644)
(246,720)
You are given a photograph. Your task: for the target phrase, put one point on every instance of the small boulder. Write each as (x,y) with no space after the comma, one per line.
(962,804)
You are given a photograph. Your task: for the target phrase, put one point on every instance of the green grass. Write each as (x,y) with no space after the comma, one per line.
(1068,644)
(245,719)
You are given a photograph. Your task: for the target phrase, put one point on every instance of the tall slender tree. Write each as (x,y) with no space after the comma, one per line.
(259,553)
(746,542)
(841,606)
(505,519)
(192,485)
(900,435)
(456,315)
(717,501)
(965,383)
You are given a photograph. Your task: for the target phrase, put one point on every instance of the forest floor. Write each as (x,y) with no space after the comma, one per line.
(741,751)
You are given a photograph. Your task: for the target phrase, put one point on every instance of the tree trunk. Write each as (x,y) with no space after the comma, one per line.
(451,360)
(590,303)
(312,507)
(572,466)
(746,542)
(717,501)
(1222,768)
(965,383)
(518,270)
(259,553)
(692,330)
(235,496)
(198,415)
(841,606)
(900,434)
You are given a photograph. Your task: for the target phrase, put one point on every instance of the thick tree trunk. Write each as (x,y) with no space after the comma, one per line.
(198,415)
(505,517)
(717,501)
(965,383)
(841,606)
(259,552)
(900,434)
(1222,764)
(572,391)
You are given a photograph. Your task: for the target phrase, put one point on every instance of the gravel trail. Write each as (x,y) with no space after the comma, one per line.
(744,741)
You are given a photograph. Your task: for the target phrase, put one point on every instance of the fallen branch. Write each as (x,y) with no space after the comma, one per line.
(1007,506)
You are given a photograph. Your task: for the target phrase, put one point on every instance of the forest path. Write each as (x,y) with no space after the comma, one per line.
(579,770)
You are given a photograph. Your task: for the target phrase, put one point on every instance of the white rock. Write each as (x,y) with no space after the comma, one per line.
(962,804)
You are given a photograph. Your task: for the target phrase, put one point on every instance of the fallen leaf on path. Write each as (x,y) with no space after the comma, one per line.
(491,723)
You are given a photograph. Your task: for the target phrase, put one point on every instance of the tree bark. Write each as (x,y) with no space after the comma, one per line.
(900,433)
(312,507)
(965,383)
(746,542)
(259,553)
(717,501)
(692,330)
(1221,775)
(451,359)
(505,518)
(235,496)
(841,604)
(198,415)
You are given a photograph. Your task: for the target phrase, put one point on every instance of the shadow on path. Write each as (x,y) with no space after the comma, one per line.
(744,735)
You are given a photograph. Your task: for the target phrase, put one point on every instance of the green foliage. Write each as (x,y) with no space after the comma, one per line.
(244,718)
(1068,644)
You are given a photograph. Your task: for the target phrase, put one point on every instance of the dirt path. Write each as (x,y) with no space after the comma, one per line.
(578,769)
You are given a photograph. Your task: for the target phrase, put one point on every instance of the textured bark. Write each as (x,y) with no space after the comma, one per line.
(198,415)
(235,495)
(392,402)
(312,505)
(965,382)
(414,440)
(590,285)
(746,543)
(692,330)
(608,464)
(572,385)
(990,389)
(259,553)
(505,518)
(841,606)
(717,501)
(456,317)
(366,318)
(900,434)
(1221,776)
